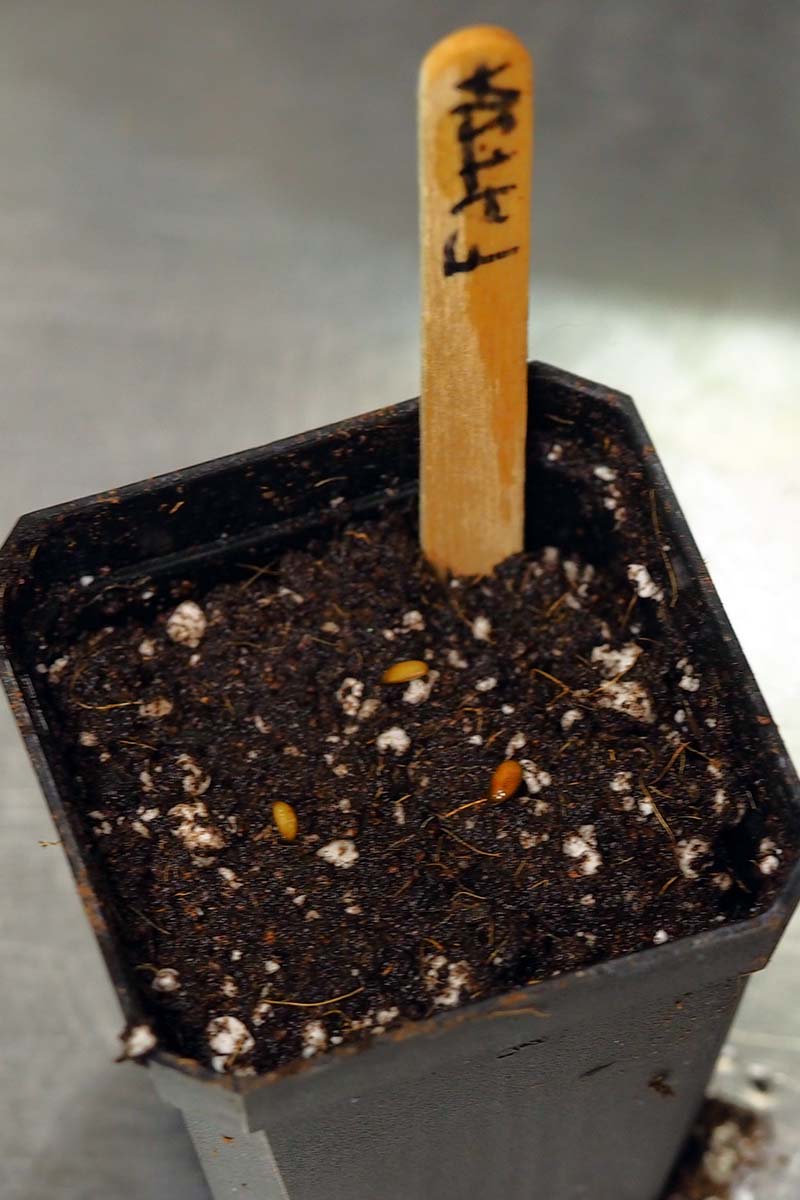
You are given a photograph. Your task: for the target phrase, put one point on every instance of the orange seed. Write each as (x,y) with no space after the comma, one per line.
(285,819)
(505,780)
(404,672)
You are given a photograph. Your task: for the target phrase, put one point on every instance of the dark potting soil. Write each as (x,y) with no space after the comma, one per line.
(189,708)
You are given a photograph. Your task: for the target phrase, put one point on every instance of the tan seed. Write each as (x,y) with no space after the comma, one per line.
(505,780)
(285,819)
(404,672)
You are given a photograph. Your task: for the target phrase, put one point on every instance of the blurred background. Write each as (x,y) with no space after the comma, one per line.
(208,240)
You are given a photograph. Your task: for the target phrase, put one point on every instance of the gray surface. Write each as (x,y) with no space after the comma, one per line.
(207,240)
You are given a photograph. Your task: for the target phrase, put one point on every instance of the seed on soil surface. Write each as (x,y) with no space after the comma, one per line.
(506,778)
(285,819)
(405,671)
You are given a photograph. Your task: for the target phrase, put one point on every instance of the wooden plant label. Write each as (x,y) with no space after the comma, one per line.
(476,143)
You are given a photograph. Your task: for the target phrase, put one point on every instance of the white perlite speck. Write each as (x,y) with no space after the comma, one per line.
(341,852)
(230,878)
(627,696)
(582,845)
(156,709)
(454,659)
(515,742)
(385,1016)
(261,1011)
(769,857)
(528,840)
(689,681)
(418,690)
(57,669)
(687,851)
(193,833)
(571,571)
(487,684)
(482,629)
(621,781)
(616,662)
(394,739)
(138,1041)
(87,739)
(399,813)
(569,718)
(146,780)
(535,779)
(315,1038)
(645,585)
(349,695)
(147,648)
(187,624)
(660,937)
(292,595)
(413,620)
(166,979)
(367,709)
(195,781)
(229,1038)
(607,474)
(458,977)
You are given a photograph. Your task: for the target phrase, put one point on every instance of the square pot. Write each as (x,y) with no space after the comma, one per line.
(581,1086)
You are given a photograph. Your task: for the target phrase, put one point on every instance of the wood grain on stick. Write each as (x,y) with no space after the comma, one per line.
(476,148)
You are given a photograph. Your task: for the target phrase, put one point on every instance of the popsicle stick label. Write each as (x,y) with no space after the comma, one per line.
(476,121)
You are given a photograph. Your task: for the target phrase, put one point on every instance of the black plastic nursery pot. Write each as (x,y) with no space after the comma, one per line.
(583,1085)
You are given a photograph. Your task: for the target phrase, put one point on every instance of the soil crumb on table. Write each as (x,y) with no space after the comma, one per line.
(408,884)
(725,1141)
